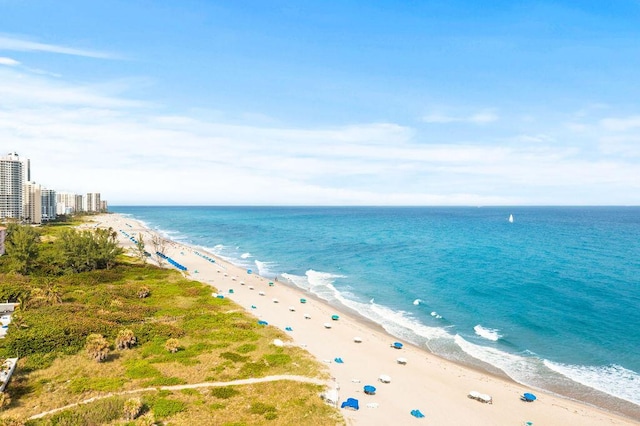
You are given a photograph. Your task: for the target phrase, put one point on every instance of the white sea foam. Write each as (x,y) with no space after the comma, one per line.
(265,268)
(612,379)
(245,255)
(487,333)
(436,315)
(417,302)
(522,369)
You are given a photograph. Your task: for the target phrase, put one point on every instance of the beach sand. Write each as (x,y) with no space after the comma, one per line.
(436,387)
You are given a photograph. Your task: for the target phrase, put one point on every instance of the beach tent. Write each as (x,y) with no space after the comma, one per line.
(417,413)
(384,378)
(335,317)
(401,361)
(370,390)
(396,345)
(351,403)
(528,397)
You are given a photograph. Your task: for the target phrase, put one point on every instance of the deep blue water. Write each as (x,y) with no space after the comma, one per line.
(550,299)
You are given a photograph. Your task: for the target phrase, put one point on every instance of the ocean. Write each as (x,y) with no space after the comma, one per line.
(551,300)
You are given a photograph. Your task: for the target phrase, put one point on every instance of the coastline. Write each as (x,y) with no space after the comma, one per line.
(435,386)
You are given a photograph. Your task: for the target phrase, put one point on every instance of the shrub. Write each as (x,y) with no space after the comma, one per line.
(132,408)
(144,292)
(277,359)
(246,348)
(97,347)
(172,345)
(125,339)
(148,419)
(261,408)
(232,356)
(225,392)
(167,407)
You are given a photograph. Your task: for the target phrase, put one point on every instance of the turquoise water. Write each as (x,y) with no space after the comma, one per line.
(551,300)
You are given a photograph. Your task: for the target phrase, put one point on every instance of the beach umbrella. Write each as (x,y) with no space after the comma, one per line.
(384,378)
(357,339)
(397,345)
(292,309)
(529,397)
(350,403)
(307,316)
(288,329)
(417,413)
(327,325)
(230,291)
(339,360)
(401,361)
(270,283)
(249,271)
(303,300)
(262,322)
(370,390)
(335,317)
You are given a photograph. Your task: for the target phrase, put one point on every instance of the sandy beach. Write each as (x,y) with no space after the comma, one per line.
(436,387)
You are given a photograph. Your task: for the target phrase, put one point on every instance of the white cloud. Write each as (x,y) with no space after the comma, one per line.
(621,124)
(17,44)
(480,117)
(8,61)
(93,138)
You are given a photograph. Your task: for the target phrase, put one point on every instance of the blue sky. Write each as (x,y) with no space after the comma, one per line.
(326,103)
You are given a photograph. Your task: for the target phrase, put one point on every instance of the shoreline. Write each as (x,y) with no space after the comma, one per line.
(435,385)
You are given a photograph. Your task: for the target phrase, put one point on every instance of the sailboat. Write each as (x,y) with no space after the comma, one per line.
(510,218)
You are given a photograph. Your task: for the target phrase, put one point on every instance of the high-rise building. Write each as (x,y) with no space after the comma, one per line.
(92,202)
(66,203)
(32,203)
(11,182)
(48,204)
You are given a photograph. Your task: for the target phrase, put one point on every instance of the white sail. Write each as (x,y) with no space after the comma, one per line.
(510,218)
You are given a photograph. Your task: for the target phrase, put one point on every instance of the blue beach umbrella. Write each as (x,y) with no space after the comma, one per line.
(529,397)
(263,323)
(370,390)
(335,317)
(417,413)
(397,345)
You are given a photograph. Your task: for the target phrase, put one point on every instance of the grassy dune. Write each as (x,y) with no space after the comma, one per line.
(218,341)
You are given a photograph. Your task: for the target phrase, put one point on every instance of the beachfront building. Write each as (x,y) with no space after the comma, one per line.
(32,203)
(92,202)
(104,206)
(11,186)
(66,203)
(48,204)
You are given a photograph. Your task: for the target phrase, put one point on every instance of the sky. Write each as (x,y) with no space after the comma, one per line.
(336,102)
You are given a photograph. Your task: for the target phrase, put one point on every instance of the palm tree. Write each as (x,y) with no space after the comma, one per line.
(126,339)
(172,345)
(132,408)
(97,347)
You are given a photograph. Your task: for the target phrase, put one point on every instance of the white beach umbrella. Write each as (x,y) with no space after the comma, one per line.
(401,361)
(327,325)
(384,378)
(357,339)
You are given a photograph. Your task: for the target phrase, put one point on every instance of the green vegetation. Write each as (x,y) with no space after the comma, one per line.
(78,307)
